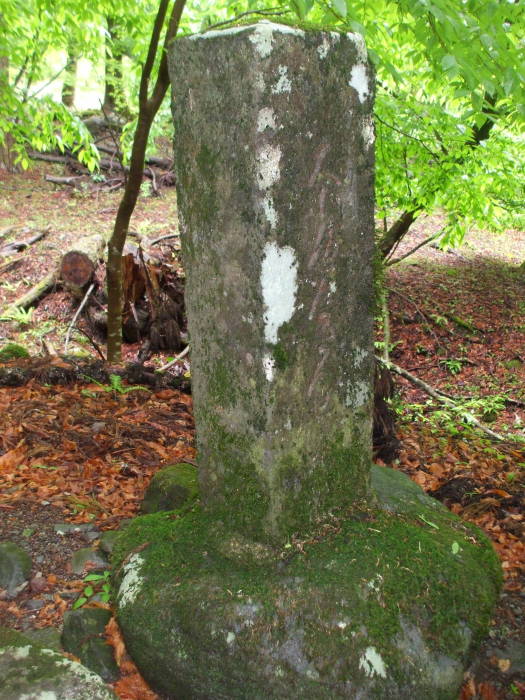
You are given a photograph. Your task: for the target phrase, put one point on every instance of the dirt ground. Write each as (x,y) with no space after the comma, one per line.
(84,454)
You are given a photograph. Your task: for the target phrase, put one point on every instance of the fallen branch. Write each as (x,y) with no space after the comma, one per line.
(17,246)
(70,181)
(164,238)
(77,314)
(441,398)
(175,359)
(34,294)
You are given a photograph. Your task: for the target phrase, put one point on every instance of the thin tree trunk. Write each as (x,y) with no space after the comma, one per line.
(7,156)
(148,108)
(393,236)
(68,86)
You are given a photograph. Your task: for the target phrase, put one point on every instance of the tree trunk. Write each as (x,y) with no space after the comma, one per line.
(68,86)
(7,155)
(148,108)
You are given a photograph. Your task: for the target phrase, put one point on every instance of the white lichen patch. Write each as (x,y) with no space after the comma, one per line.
(359,81)
(43,695)
(333,287)
(266,119)
(360,46)
(132,581)
(269,212)
(324,48)
(372,663)
(268,367)
(230,638)
(283,84)
(375,583)
(368,131)
(262,37)
(268,170)
(18,653)
(279,288)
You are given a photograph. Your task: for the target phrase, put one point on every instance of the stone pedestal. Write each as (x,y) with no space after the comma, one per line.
(274,162)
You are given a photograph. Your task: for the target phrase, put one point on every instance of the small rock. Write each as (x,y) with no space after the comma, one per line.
(84,636)
(72,528)
(171,488)
(15,567)
(87,558)
(38,583)
(33,671)
(34,604)
(107,541)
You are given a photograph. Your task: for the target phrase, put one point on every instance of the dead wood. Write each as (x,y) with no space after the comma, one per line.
(78,264)
(72,181)
(34,294)
(58,370)
(466,415)
(17,246)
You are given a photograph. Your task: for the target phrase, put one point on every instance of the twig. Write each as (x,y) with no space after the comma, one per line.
(440,397)
(154,187)
(93,343)
(163,238)
(419,311)
(77,314)
(413,250)
(175,359)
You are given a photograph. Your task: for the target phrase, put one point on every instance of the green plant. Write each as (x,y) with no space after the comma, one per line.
(21,316)
(115,385)
(453,365)
(98,585)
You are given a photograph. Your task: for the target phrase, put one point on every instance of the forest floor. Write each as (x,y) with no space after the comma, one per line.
(85,453)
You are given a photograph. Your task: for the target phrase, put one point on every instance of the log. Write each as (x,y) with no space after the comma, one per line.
(78,265)
(60,370)
(70,181)
(34,294)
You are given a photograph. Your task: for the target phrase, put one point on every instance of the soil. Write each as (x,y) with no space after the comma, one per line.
(84,454)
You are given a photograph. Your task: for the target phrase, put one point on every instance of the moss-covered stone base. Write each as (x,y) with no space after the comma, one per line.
(380,602)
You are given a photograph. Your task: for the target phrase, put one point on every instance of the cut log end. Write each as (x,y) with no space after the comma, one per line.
(76,270)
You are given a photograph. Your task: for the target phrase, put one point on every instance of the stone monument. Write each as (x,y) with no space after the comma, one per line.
(304,574)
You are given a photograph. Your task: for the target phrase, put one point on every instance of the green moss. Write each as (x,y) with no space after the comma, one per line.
(280,355)
(10,351)
(357,580)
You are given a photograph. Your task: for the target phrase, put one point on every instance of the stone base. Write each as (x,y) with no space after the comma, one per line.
(389,602)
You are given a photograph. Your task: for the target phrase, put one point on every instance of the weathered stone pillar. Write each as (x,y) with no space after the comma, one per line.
(274,160)
(384,599)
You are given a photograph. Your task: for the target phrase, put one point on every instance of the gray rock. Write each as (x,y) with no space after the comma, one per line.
(83,636)
(31,672)
(87,557)
(74,528)
(48,637)
(15,567)
(107,541)
(171,488)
